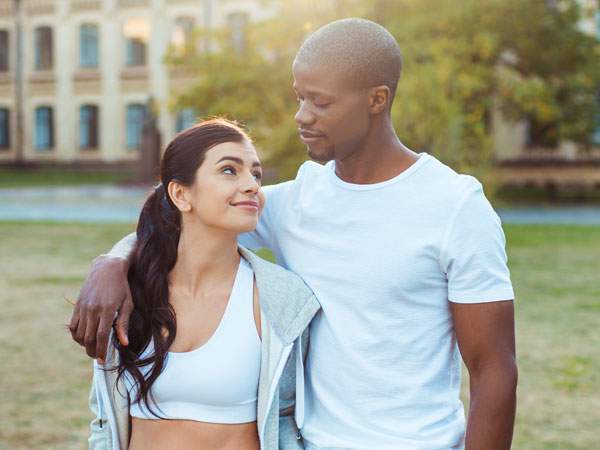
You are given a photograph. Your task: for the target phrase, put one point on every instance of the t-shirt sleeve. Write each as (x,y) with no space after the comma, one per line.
(264,235)
(474,256)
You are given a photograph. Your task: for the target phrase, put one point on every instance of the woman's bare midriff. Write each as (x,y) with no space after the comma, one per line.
(149,434)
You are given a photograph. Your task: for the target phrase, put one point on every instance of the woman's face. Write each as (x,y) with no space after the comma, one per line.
(227,192)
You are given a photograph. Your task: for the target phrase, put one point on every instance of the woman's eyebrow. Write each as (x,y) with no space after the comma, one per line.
(237,160)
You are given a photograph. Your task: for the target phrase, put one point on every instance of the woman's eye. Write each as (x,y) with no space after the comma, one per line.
(228,170)
(257,176)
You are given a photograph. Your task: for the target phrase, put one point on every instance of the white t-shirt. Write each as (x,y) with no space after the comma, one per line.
(383,370)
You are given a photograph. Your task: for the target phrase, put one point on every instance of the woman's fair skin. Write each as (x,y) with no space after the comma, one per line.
(224,201)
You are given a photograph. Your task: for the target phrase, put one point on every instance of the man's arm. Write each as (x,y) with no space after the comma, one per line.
(485,334)
(104,295)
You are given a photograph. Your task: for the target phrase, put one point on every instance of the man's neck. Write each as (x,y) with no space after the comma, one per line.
(382,157)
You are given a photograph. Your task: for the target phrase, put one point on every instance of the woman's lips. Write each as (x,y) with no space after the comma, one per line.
(247,205)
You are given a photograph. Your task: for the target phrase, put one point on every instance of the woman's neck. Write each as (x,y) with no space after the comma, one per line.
(206,259)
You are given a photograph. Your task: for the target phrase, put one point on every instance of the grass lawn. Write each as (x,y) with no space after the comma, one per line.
(13,178)
(44,377)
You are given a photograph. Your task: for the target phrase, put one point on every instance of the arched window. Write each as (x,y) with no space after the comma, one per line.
(137,35)
(596,136)
(88,45)
(238,24)
(88,127)
(185,119)
(182,37)
(44,128)
(136,113)
(43,48)
(4,128)
(4,51)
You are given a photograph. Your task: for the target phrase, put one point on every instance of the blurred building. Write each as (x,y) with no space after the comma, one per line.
(88,68)
(528,156)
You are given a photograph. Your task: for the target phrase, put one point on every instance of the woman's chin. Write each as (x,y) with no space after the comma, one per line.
(245,227)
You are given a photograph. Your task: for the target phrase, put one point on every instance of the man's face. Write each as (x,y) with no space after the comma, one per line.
(333,116)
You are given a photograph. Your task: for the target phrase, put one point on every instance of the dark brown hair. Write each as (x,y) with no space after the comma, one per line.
(155,253)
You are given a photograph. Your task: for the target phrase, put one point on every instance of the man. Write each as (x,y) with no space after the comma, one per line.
(406,257)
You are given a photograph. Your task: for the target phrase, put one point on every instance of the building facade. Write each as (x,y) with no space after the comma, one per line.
(90,67)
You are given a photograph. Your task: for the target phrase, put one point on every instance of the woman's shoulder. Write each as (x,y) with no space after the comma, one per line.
(285,298)
(275,276)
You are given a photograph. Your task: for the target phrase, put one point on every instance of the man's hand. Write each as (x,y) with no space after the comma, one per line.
(104,294)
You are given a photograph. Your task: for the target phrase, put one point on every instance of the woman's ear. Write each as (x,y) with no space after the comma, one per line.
(179,195)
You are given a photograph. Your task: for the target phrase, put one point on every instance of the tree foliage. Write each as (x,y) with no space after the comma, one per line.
(462,61)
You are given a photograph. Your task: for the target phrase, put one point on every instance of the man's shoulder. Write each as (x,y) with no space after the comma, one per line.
(306,175)
(440,181)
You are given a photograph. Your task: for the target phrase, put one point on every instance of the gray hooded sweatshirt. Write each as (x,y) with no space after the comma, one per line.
(287,306)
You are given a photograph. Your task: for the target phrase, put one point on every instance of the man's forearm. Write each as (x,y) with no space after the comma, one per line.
(123,248)
(492,408)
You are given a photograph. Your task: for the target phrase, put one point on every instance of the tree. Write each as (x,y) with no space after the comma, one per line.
(461,60)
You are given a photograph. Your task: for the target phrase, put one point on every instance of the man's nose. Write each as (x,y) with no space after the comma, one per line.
(303,116)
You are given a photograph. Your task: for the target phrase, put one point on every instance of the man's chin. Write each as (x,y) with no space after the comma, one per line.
(319,155)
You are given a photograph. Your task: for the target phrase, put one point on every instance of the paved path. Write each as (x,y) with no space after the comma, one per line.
(72,204)
(122,205)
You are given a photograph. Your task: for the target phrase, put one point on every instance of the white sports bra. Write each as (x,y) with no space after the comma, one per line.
(217,382)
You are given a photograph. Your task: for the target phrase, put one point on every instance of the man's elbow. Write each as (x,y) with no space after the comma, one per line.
(503,373)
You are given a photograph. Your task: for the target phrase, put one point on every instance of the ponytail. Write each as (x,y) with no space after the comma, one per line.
(153,318)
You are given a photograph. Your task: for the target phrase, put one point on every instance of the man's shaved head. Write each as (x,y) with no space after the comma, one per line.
(362,50)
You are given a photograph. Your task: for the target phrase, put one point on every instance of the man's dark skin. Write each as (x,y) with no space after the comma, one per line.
(353,126)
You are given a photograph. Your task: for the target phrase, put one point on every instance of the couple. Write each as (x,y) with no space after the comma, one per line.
(404,265)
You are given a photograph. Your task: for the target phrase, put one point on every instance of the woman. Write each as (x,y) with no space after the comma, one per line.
(218,336)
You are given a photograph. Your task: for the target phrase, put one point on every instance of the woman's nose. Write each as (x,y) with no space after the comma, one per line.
(250,184)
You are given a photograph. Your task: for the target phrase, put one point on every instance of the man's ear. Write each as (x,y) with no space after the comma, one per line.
(379,99)
(179,196)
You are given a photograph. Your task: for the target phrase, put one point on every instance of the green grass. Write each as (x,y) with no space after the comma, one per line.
(44,377)
(13,178)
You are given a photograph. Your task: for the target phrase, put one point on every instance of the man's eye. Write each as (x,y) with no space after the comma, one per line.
(228,170)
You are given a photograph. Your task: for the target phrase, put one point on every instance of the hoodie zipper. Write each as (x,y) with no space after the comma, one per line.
(274,384)
(299,409)
(104,399)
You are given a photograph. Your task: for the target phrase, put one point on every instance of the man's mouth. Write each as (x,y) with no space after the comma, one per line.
(310,136)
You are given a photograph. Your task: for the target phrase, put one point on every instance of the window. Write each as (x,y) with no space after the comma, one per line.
(44,128)
(182,38)
(238,24)
(43,48)
(137,33)
(596,135)
(4,46)
(4,128)
(541,134)
(185,119)
(88,45)
(136,114)
(88,127)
